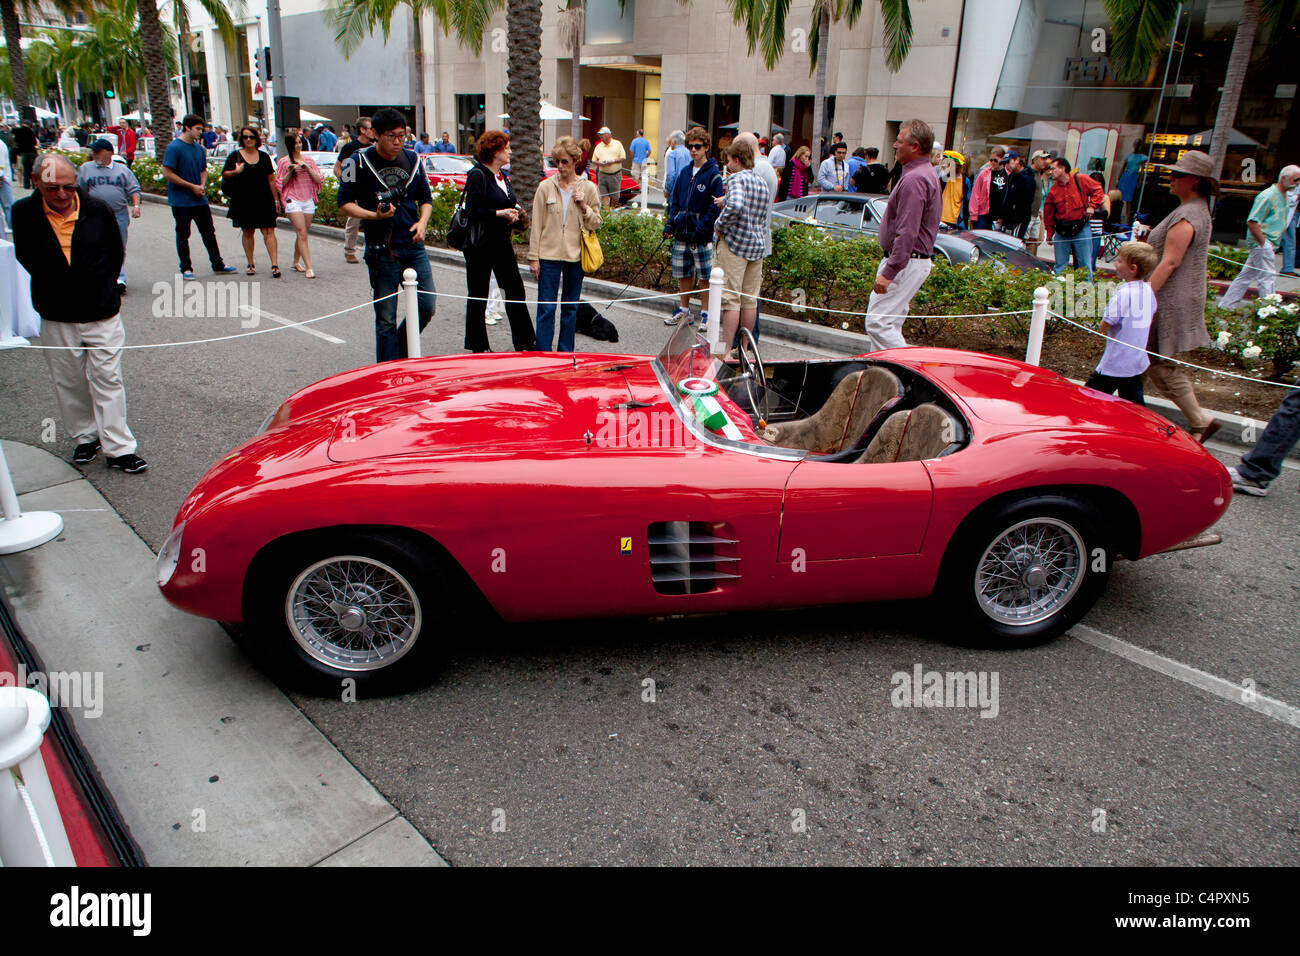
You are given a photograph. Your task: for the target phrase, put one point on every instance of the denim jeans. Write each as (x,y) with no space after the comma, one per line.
(123,223)
(1263,463)
(386,267)
(6,206)
(1081,245)
(553,274)
(1288,242)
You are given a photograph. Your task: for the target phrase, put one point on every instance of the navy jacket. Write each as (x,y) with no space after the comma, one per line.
(86,289)
(691,212)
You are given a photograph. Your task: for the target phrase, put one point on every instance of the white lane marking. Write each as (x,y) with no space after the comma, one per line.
(293,325)
(1253,700)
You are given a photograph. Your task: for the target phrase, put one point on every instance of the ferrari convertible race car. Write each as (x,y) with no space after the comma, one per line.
(376,507)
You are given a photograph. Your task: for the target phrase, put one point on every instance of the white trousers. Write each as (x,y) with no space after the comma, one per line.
(886,312)
(1260,268)
(88,381)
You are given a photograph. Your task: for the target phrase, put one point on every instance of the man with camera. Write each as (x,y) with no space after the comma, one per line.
(385,187)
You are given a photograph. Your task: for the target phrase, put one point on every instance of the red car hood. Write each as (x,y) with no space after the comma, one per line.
(477,405)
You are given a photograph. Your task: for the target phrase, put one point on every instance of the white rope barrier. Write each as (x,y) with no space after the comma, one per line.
(1167,358)
(220,338)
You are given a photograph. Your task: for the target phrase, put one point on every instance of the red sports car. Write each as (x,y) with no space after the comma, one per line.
(375,509)
(446,168)
(629,188)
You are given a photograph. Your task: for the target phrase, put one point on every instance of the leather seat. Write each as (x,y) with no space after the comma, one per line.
(855,401)
(914,434)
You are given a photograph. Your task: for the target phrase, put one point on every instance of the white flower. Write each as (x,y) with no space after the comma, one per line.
(1251,352)
(844,325)
(1290,308)
(1260,329)
(1274,297)
(1267,312)
(1224,338)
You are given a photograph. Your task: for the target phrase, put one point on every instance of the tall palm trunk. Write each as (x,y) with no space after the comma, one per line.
(417,68)
(155,74)
(575,127)
(1233,82)
(14,46)
(819,96)
(524,85)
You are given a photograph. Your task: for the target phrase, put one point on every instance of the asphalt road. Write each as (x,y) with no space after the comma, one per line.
(770,737)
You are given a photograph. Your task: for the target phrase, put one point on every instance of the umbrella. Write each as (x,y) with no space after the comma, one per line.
(1037,130)
(550,112)
(135,115)
(309,116)
(44,114)
(1235,138)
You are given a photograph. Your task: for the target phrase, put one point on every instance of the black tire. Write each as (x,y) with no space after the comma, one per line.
(1054,543)
(395,594)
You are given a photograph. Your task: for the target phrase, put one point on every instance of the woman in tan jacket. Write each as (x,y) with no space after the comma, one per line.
(563,206)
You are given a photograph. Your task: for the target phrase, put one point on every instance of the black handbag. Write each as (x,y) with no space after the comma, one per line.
(463,233)
(1069,228)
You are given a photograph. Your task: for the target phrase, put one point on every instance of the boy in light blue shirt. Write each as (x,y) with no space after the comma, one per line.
(640,148)
(114,184)
(1127,323)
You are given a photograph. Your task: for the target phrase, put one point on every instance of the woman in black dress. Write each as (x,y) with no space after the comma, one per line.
(248,180)
(491,205)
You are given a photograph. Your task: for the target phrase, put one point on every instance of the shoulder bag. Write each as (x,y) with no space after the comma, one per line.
(462,232)
(1069,228)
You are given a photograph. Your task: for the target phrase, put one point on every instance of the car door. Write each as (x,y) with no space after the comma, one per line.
(838,510)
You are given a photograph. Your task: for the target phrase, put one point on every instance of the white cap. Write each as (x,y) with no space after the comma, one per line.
(603,130)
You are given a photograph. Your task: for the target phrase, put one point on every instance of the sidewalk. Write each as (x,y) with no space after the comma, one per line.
(208,761)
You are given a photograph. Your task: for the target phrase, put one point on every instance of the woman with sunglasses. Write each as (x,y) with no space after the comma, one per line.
(300,182)
(248,180)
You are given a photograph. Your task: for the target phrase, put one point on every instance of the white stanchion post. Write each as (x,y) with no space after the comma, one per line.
(1037,325)
(19,531)
(714,326)
(645,188)
(412,296)
(31,829)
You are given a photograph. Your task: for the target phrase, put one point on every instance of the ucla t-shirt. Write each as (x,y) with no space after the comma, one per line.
(187,160)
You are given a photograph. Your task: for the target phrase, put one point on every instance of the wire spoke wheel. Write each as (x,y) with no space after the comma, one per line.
(1030,571)
(353,613)
(755,376)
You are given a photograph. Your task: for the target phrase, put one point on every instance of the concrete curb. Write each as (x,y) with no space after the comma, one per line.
(208,762)
(811,334)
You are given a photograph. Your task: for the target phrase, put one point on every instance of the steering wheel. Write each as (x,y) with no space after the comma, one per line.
(755,376)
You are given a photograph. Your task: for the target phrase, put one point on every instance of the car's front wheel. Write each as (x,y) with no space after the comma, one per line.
(1027,571)
(360,607)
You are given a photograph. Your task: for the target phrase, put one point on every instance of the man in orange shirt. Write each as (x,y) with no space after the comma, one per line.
(70,244)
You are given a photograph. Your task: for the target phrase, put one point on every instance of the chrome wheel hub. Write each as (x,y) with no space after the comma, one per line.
(353,613)
(1030,571)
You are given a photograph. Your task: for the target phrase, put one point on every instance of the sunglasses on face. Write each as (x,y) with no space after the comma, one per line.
(249,137)
(58,187)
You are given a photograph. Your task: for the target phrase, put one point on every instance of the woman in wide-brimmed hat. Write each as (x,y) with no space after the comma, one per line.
(1183,242)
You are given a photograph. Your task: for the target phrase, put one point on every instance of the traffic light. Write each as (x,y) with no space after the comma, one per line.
(257,64)
(109,94)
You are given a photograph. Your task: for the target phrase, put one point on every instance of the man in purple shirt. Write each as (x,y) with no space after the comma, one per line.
(907,232)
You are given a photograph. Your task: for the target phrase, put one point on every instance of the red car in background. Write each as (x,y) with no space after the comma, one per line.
(629,187)
(382,511)
(447,168)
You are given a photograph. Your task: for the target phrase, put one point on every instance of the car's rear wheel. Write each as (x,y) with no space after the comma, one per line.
(1027,571)
(359,607)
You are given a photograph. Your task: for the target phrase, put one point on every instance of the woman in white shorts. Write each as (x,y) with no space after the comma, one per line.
(300,182)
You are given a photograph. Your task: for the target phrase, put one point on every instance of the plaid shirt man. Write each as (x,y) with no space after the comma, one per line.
(743,221)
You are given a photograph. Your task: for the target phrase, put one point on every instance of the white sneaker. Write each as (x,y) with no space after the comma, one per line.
(677,316)
(1246,485)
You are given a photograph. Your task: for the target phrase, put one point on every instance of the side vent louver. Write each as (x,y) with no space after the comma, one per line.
(692,557)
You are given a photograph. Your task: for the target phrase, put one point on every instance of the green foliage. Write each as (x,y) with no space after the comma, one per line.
(630,240)
(829,271)
(327,203)
(1218,269)
(1266,332)
(445,199)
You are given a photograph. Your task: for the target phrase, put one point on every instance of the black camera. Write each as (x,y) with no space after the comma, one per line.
(390,196)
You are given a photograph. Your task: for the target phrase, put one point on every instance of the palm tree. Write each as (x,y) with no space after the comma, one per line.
(573,28)
(1141,31)
(764,23)
(357,19)
(108,54)
(13,39)
(156,63)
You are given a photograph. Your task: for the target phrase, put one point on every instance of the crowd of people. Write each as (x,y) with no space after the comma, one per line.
(73,231)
